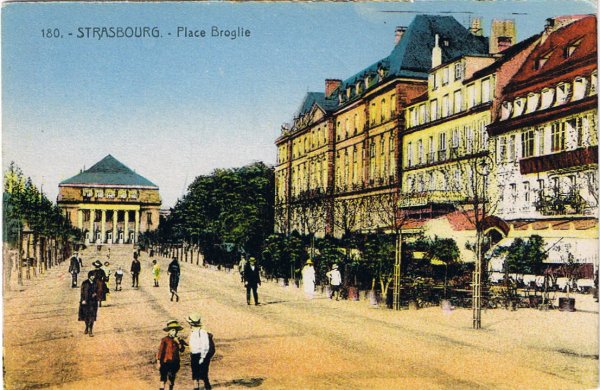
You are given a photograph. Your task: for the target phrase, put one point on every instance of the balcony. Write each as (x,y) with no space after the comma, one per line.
(442,155)
(430,158)
(568,159)
(561,204)
(424,198)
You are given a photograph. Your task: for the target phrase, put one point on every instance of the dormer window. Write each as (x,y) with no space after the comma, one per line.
(99,193)
(358,88)
(506,110)
(579,88)
(562,93)
(87,193)
(348,92)
(367,82)
(519,107)
(570,48)
(341,98)
(539,63)
(532,102)
(593,83)
(547,97)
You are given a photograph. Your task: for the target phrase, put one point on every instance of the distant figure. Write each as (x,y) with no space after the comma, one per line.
(167,358)
(136,267)
(155,272)
(174,272)
(80,259)
(241,266)
(251,280)
(100,282)
(308,279)
(74,270)
(88,304)
(118,278)
(202,349)
(107,272)
(335,281)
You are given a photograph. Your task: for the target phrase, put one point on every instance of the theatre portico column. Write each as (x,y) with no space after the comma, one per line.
(114,235)
(126,229)
(92,217)
(137,224)
(103,227)
(80,219)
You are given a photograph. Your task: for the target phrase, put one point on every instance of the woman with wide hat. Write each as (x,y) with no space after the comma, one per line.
(167,358)
(308,279)
(202,349)
(88,304)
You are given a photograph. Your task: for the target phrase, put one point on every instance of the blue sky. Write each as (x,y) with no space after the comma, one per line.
(174,108)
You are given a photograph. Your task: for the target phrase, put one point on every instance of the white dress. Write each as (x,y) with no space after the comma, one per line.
(308,279)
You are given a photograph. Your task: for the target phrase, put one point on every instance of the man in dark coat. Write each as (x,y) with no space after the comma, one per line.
(174,272)
(74,270)
(88,303)
(100,282)
(251,280)
(136,267)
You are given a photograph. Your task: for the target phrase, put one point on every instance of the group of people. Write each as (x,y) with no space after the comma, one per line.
(308,279)
(201,346)
(94,289)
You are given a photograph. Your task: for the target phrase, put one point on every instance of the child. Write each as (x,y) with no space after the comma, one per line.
(118,278)
(155,272)
(167,358)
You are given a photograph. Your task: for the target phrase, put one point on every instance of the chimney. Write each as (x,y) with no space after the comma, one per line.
(436,53)
(475,28)
(400,30)
(331,85)
(503,35)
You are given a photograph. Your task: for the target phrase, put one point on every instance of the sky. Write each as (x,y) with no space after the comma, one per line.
(172,108)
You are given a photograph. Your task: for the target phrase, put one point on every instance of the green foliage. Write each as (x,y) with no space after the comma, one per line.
(525,257)
(329,254)
(228,206)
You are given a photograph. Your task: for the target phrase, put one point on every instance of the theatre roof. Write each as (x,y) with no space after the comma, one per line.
(109,171)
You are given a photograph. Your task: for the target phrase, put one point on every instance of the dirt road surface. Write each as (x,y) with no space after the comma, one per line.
(288,342)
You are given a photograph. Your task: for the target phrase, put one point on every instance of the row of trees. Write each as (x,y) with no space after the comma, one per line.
(33,225)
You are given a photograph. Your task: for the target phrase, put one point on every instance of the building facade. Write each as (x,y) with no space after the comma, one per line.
(110,203)
(340,158)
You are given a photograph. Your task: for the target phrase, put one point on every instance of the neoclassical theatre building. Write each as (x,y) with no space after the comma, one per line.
(110,202)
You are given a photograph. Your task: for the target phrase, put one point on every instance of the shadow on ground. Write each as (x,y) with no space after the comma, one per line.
(244,382)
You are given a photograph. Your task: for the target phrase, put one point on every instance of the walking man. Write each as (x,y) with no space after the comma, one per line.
(202,349)
(74,270)
(88,304)
(251,280)
(335,281)
(167,358)
(308,279)
(100,282)
(118,278)
(174,272)
(136,267)
(241,266)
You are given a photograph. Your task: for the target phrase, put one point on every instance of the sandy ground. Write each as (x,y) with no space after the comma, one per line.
(288,342)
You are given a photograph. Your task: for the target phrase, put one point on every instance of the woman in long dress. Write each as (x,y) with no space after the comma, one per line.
(308,279)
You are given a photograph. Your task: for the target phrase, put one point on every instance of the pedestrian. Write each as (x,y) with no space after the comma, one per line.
(308,279)
(118,278)
(155,271)
(136,267)
(74,270)
(335,281)
(167,358)
(251,280)
(80,259)
(100,282)
(107,272)
(88,303)
(174,272)
(202,349)
(241,266)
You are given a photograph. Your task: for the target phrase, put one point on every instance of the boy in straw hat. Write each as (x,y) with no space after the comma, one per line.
(167,358)
(202,349)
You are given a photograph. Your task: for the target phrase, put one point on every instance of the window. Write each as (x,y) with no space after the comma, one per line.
(513,190)
(506,110)
(409,155)
(562,93)
(347,127)
(382,146)
(540,141)
(434,109)
(558,136)
(547,97)
(570,49)
(422,113)
(445,106)
(445,75)
(339,130)
(539,63)
(149,218)
(435,81)
(458,71)
(512,148)
(469,139)
(393,105)
(541,186)
(532,102)
(485,91)
(576,128)
(579,88)
(471,96)
(355,124)
(384,109)
(431,154)
(572,184)
(354,165)
(414,120)
(593,82)
(442,146)
(458,101)
(526,190)
(527,143)
(501,149)
(110,194)
(373,113)
(519,106)
(99,193)
(122,194)
(420,151)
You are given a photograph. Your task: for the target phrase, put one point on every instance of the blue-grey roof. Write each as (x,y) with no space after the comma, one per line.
(312,98)
(109,171)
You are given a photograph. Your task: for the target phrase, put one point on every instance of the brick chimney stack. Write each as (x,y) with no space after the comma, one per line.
(331,85)
(475,27)
(400,30)
(503,35)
